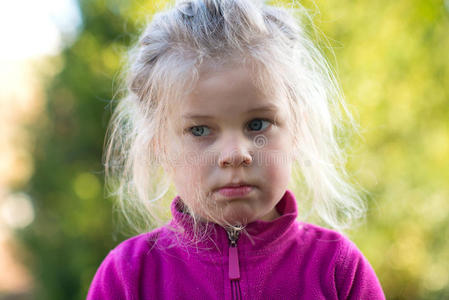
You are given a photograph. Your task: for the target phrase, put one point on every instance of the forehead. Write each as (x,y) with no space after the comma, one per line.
(224,81)
(229,89)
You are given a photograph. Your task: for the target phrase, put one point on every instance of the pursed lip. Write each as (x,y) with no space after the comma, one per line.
(235,185)
(235,190)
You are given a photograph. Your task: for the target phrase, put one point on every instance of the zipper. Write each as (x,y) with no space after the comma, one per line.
(234,268)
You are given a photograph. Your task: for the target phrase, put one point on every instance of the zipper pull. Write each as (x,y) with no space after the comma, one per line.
(234,269)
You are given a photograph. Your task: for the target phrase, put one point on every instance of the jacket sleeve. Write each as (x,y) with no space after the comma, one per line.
(355,277)
(112,280)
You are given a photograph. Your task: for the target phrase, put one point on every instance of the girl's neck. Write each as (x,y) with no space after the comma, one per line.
(272,215)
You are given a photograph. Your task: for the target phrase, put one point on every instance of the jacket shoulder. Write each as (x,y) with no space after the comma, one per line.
(322,241)
(354,276)
(137,245)
(117,277)
(322,234)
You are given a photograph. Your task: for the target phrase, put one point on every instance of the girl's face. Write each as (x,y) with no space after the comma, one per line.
(227,132)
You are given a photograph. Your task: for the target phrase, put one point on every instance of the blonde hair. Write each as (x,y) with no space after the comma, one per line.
(163,65)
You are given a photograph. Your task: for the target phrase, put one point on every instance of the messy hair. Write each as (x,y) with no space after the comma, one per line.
(278,44)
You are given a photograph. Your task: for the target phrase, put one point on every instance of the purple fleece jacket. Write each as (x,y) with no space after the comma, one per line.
(280,259)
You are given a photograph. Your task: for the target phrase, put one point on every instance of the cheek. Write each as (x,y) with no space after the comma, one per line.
(277,151)
(189,173)
(190,183)
(188,165)
(279,172)
(276,159)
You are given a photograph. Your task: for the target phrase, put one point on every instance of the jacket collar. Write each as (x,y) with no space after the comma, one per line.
(256,236)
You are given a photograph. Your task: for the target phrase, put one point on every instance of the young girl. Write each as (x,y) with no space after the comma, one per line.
(225,99)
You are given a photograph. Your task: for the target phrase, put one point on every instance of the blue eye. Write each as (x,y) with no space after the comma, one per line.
(198,130)
(258,124)
(253,125)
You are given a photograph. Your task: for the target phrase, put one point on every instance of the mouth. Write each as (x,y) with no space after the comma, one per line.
(235,190)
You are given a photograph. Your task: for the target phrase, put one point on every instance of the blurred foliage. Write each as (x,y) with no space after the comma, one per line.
(391,57)
(392,60)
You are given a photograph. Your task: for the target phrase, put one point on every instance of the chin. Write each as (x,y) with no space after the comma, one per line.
(239,213)
(241,219)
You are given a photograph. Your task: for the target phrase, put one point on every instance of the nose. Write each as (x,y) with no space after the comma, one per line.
(235,154)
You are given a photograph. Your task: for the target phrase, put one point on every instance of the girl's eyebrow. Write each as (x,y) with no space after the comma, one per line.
(268,107)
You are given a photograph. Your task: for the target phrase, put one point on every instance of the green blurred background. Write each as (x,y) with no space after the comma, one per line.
(56,226)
